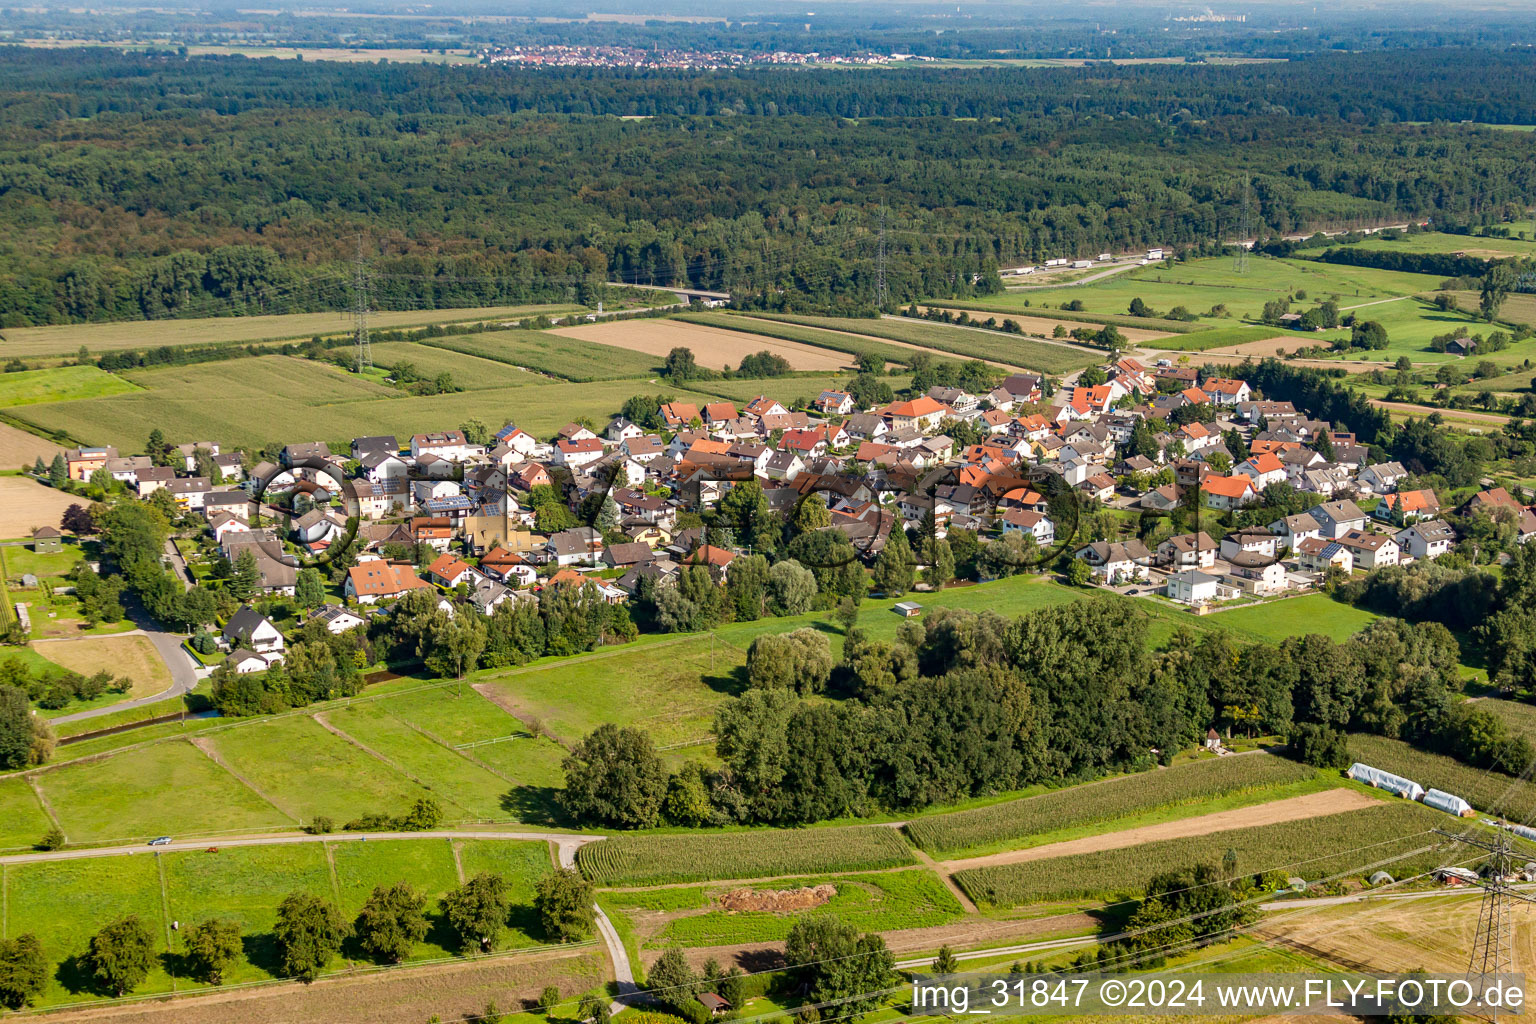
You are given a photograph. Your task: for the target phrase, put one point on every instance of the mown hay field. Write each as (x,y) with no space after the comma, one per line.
(839,340)
(133,657)
(700,857)
(1394,836)
(712,347)
(1005,825)
(66,340)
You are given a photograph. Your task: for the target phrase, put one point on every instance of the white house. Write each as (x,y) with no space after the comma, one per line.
(1193,587)
(1292,530)
(575,454)
(1252,540)
(446,444)
(1188,551)
(1017,520)
(1382,478)
(1371,550)
(1264,469)
(1318,554)
(1429,539)
(250,629)
(1336,518)
(1115,563)
(336,618)
(246,661)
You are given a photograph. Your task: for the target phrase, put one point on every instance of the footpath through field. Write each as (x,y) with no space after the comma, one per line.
(1296,808)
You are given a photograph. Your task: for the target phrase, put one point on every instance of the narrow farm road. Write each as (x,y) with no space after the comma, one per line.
(184,673)
(623,970)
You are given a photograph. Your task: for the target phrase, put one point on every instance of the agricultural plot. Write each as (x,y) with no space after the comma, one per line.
(1438,242)
(967,343)
(26,504)
(308,772)
(163,788)
(245,883)
(658,859)
(473,789)
(468,372)
(22,819)
(1519,308)
(65,902)
(839,340)
(670,687)
(522,864)
(552,355)
(717,915)
(1008,825)
(34,342)
(427,864)
(1391,836)
(478,729)
(246,402)
(19,449)
(60,384)
(1493,792)
(712,347)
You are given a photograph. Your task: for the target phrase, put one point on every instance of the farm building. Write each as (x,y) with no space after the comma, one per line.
(908,609)
(1405,788)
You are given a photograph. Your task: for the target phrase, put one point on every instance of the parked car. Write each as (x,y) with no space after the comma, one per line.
(161,841)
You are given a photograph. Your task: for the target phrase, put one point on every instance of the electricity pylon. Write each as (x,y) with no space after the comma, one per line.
(1493,946)
(1240,261)
(360,309)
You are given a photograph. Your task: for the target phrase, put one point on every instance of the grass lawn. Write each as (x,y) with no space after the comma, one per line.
(22,560)
(553,354)
(456,780)
(1436,241)
(1296,616)
(64,903)
(164,788)
(309,772)
(469,372)
(427,864)
(59,384)
(22,819)
(245,883)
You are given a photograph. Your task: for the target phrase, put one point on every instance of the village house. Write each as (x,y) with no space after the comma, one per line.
(1256,574)
(1292,530)
(1193,587)
(1336,518)
(1319,554)
(1187,551)
(82,462)
(1381,478)
(1017,520)
(336,619)
(1224,391)
(920,414)
(1250,539)
(1115,563)
(1407,506)
(1426,539)
(448,570)
(1225,492)
(250,629)
(1371,550)
(378,580)
(445,444)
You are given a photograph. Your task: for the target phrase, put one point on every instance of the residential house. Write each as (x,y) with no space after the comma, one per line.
(388,444)
(1427,539)
(435,533)
(445,444)
(378,580)
(245,661)
(190,491)
(306,454)
(82,462)
(719,413)
(921,414)
(1225,391)
(575,454)
(1018,520)
(1319,554)
(127,470)
(148,481)
(249,628)
(1226,492)
(957,399)
(580,546)
(1256,574)
(1264,470)
(1382,478)
(1251,540)
(621,428)
(1193,587)
(834,403)
(1023,387)
(1292,530)
(679,414)
(448,570)
(1371,550)
(1336,518)
(1162,499)
(1407,506)
(47,540)
(336,619)
(1115,563)
(1188,551)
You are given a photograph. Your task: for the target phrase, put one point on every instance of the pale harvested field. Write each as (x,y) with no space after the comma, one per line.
(19,448)
(1045,325)
(1260,349)
(712,347)
(405,995)
(1296,808)
(1433,933)
(38,342)
(131,656)
(25,504)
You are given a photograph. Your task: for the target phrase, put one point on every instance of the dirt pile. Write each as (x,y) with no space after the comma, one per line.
(776,901)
